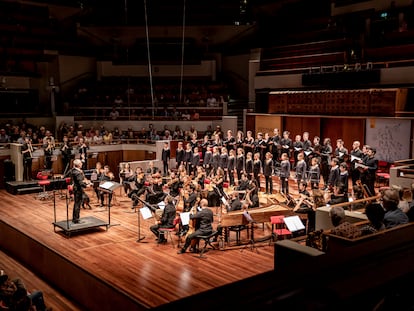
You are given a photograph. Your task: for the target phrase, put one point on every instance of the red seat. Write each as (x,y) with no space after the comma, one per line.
(279,228)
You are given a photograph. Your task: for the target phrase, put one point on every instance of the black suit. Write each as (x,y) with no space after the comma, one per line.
(78,185)
(205,219)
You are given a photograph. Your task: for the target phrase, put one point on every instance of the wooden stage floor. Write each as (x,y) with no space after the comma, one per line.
(148,274)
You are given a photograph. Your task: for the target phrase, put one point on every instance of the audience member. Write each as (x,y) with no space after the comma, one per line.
(341,226)
(393,215)
(14,294)
(375,214)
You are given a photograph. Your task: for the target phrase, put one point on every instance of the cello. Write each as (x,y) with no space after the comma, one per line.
(192,225)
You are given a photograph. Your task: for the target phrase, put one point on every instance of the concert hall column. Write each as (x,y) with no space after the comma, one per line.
(17,158)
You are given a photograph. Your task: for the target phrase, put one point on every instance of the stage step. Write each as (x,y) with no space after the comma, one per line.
(28,190)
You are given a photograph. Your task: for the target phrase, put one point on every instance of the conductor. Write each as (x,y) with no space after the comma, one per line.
(79,184)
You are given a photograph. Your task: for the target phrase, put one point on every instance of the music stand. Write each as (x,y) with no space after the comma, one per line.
(145,212)
(251,222)
(109,187)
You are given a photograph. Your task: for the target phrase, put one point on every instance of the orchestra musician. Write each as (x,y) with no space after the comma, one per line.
(48,149)
(214,195)
(152,169)
(82,150)
(166,220)
(27,151)
(205,219)
(190,197)
(79,184)
(154,192)
(139,186)
(107,175)
(66,150)
(126,176)
(200,176)
(96,177)
(308,205)
(174,185)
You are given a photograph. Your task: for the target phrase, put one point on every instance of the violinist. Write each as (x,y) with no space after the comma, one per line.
(27,151)
(234,203)
(127,177)
(151,168)
(174,185)
(107,175)
(190,197)
(155,193)
(166,220)
(205,218)
(200,176)
(48,149)
(214,196)
(66,150)
(96,177)
(308,205)
(139,186)
(82,150)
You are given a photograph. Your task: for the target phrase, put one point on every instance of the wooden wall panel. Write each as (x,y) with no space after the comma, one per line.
(346,128)
(250,123)
(298,125)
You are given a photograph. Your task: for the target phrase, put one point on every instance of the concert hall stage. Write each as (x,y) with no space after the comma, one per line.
(109,269)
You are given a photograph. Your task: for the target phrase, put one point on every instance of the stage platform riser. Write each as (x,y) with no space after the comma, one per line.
(71,279)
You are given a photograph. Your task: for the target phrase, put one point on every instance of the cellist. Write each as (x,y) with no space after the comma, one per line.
(205,218)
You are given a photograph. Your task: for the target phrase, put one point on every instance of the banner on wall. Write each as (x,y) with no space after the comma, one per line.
(391,138)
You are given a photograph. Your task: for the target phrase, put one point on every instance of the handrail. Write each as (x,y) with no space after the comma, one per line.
(369,199)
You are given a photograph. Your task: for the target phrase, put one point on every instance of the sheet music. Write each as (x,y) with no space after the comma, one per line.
(297,148)
(106,185)
(145,212)
(293,223)
(161,205)
(185,218)
(308,153)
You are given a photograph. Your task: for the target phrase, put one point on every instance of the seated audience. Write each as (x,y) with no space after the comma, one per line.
(341,226)
(375,213)
(15,296)
(393,215)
